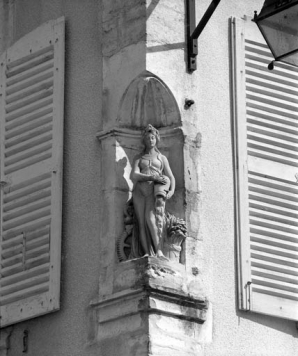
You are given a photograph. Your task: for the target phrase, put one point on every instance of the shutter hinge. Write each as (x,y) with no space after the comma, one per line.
(4,183)
(25,341)
(248,296)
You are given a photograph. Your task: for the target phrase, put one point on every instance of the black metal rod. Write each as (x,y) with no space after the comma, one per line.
(198,30)
(285,55)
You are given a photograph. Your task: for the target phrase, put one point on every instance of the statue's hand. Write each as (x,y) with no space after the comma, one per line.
(160,180)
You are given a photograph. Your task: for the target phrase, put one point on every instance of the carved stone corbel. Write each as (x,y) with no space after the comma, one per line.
(151,311)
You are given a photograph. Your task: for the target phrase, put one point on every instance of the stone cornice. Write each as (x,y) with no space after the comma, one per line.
(150,300)
(136,133)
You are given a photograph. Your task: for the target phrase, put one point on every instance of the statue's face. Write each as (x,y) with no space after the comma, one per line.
(150,140)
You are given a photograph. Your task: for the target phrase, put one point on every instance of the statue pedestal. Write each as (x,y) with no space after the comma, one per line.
(150,312)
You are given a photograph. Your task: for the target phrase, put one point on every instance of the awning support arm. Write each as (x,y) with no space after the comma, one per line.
(193,31)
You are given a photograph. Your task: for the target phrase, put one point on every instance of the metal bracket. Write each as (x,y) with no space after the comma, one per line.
(25,341)
(248,296)
(194,32)
(3,183)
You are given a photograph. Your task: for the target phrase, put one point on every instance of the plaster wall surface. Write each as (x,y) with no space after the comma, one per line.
(234,332)
(70,332)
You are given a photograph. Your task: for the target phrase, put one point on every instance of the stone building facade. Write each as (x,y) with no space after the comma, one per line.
(118,66)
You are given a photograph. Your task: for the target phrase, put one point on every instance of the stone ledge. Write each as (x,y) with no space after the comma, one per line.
(150,301)
(137,132)
(151,272)
(151,310)
(149,285)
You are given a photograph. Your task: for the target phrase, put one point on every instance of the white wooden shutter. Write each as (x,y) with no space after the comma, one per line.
(266,130)
(31,117)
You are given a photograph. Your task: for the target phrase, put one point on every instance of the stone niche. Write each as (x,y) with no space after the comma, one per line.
(147,100)
(146,305)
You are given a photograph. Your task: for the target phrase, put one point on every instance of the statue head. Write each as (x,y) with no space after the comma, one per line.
(150,130)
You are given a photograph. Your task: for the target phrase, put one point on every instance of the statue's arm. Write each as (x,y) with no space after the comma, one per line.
(168,173)
(136,174)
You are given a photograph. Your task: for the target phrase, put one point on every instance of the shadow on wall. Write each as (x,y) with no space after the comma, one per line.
(282,325)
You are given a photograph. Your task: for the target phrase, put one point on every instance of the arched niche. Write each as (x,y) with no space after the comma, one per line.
(148,100)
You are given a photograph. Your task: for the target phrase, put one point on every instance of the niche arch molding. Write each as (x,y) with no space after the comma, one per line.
(148,100)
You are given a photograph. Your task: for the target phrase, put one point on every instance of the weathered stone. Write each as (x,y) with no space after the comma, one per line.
(147,100)
(150,302)
(146,306)
(123,24)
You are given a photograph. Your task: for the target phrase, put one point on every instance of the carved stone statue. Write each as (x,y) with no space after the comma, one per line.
(149,229)
(154,183)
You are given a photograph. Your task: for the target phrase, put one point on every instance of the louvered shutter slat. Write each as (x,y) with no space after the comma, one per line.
(266,123)
(31,169)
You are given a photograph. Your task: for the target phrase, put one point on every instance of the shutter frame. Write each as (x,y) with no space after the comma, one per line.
(28,60)
(248,157)
(239,111)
